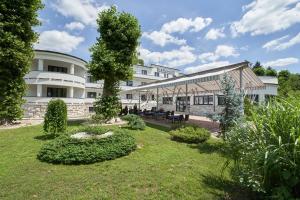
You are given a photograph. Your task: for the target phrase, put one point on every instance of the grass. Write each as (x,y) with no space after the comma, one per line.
(158,169)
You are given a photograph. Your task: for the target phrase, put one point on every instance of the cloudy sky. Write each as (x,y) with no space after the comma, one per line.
(188,35)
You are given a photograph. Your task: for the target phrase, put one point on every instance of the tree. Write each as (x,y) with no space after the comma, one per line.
(16,53)
(232,105)
(270,72)
(283,77)
(114,54)
(258,69)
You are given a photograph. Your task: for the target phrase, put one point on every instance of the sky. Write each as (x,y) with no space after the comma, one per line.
(189,35)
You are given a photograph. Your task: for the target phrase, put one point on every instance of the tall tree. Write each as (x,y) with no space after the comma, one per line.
(270,72)
(113,55)
(16,53)
(258,69)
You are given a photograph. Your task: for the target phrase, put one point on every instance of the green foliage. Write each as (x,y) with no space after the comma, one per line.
(16,53)
(108,107)
(97,119)
(67,150)
(135,122)
(266,150)
(115,51)
(289,84)
(270,72)
(55,120)
(232,105)
(259,70)
(190,134)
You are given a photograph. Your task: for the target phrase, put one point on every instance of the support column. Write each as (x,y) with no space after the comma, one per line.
(39,90)
(41,65)
(72,69)
(156,99)
(71,92)
(242,90)
(139,101)
(187,110)
(214,102)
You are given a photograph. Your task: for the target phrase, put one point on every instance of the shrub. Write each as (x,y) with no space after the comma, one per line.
(55,120)
(135,122)
(97,119)
(108,107)
(266,150)
(67,150)
(190,134)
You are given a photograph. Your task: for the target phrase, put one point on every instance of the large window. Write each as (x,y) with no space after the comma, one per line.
(129,83)
(167,100)
(156,73)
(57,69)
(128,96)
(204,100)
(91,79)
(144,72)
(56,92)
(91,95)
(221,100)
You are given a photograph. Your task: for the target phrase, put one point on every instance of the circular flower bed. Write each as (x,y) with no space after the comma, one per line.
(190,134)
(68,150)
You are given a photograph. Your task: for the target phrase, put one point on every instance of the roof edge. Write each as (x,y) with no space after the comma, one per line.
(56,52)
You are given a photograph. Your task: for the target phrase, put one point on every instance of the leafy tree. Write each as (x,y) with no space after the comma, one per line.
(232,105)
(56,117)
(16,39)
(258,69)
(283,77)
(270,72)
(114,54)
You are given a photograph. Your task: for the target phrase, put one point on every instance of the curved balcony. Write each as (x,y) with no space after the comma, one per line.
(54,78)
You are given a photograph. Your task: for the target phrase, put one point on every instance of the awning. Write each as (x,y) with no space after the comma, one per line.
(206,81)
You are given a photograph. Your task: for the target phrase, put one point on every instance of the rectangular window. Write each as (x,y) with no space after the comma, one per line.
(128,96)
(91,95)
(57,69)
(143,97)
(91,79)
(144,72)
(91,109)
(153,97)
(165,75)
(167,100)
(221,100)
(156,73)
(56,92)
(129,83)
(204,100)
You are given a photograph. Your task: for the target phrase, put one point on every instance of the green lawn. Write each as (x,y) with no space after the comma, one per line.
(158,169)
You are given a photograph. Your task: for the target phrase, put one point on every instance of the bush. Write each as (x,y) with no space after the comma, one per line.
(97,119)
(108,107)
(190,134)
(67,150)
(55,120)
(266,150)
(135,122)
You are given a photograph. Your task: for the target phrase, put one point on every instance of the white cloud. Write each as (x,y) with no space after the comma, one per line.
(221,51)
(214,34)
(282,43)
(281,62)
(173,58)
(182,25)
(58,41)
(162,38)
(85,11)
(206,66)
(74,26)
(267,16)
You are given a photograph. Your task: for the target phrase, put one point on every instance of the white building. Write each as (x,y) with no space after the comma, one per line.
(59,75)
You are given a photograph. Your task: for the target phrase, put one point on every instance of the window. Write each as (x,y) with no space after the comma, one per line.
(144,72)
(143,97)
(57,69)
(128,96)
(91,79)
(143,83)
(91,109)
(167,100)
(165,75)
(156,73)
(91,95)
(221,100)
(204,100)
(153,97)
(129,83)
(56,92)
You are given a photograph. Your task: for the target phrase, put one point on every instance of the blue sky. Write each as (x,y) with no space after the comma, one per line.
(188,35)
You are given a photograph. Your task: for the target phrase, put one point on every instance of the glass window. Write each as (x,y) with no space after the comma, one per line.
(128,96)
(221,100)
(144,72)
(167,100)
(91,95)
(204,100)
(56,92)
(156,73)
(129,83)
(57,69)
(153,97)
(91,79)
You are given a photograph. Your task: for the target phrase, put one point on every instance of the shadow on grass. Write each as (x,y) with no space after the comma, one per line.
(45,137)
(159,127)
(232,190)
(76,122)
(210,147)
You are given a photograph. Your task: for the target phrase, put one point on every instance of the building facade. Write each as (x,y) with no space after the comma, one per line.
(58,75)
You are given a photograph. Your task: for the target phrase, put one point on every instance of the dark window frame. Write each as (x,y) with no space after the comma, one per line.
(144,72)
(92,97)
(221,101)
(129,83)
(59,69)
(204,100)
(167,100)
(129,96)
(56,92)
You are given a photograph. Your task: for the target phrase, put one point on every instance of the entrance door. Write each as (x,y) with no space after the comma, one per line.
(180,103)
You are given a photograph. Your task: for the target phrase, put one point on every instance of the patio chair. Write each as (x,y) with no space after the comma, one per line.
(186,118)
(172,113)
(167,114)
